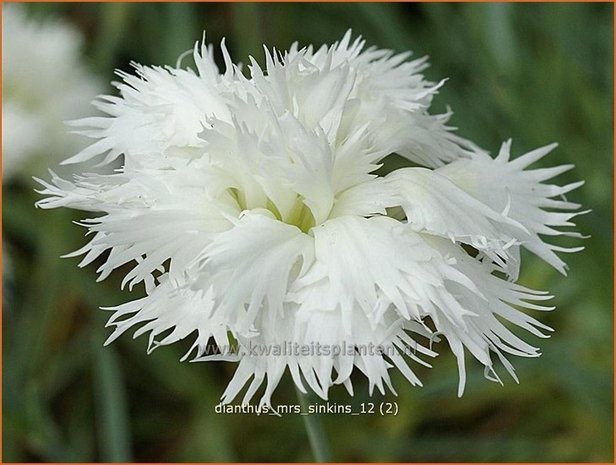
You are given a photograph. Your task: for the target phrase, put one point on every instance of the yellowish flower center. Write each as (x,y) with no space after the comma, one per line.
(299,215)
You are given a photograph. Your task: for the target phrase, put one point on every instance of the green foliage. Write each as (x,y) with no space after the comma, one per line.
(535,72)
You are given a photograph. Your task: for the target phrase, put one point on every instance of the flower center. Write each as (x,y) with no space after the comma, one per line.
(299,215)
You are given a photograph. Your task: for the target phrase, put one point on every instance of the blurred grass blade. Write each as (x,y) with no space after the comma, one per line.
(314,429)
(181,30)
(113,25)
(247,31)
(111,405)
(496,26)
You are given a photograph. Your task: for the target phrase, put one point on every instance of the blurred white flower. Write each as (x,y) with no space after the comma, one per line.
(44,83)
(250,209)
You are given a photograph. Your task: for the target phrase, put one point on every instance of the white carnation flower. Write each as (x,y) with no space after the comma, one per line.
(44,83)
(249,208)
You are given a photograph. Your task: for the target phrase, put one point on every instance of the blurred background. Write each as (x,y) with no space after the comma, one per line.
(536,72)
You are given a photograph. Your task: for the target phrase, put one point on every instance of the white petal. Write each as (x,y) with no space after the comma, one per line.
(483,331)
(505,185)
(149,218)
(319,355)
(428,140)
(252,264)
(174,309)
(435,205)
(366,260)
(160,111)
(366,199)
(274,158)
